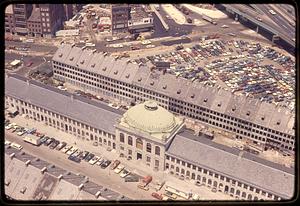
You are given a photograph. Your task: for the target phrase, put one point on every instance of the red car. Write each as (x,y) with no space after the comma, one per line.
(157,196)
(29,64)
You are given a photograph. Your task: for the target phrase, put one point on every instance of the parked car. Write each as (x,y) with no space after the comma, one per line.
(75,159)
(119,168)
(66,148)
(29,64)
(157,196)
(83,155)
(61,145)
(89,157)
(54,144)
(105,164)
(44,139)
(94,160)
(114,164)
(100,162)
(124,173)
(49,141)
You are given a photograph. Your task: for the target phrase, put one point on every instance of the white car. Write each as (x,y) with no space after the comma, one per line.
(124,173)
(146,42)
(100,161)
(76,153)
(224,26)
(71,151)
(20,133)
(11,125)
(119,168)
(94,160)
(150,46)
(7,142)
(66,148)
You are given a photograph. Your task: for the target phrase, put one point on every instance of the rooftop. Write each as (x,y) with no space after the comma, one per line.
(35,15)
(232,162)
(9,9)
(167,84)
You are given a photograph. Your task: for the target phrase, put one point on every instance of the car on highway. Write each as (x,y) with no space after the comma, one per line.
(105,164)
(89,157)
(124,173)
(119,168)
(156,195)
(61,145)
(94,160)
(114,164)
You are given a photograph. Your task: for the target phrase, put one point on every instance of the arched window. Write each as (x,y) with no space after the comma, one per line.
(198,177)
(148,147)
(187,173)
(249,197)
(215,184)
(130,140)
(167,165)
(255,198)
(209,181)
(121,137)
(193,176)
(139,143)
(157,150)
(244,194)
(177,169)
(238,192)
(182,171)
(232,190)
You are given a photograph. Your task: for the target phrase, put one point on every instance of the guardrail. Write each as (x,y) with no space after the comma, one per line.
(275,32)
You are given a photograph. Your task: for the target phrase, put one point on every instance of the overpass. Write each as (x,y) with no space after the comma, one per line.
(274,31)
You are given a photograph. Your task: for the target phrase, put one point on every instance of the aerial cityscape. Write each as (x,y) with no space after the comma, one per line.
(159,102)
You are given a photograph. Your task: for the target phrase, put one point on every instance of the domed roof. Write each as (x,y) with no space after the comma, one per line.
(150,117)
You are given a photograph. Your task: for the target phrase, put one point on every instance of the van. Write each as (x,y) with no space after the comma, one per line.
(16,146)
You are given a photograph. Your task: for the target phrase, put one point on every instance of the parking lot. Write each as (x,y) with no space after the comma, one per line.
(243,67)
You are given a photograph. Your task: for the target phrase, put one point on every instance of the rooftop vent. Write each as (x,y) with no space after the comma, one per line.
(193,96)
(205,100)
(104,69)
(248,113)
(82,61)
(127,76)
(179,91)
(278,122)
(219,104)
(71,59)
(7,182)
(94,51)
(98,194)
(27,162)
(233,109)
(152,83)
(80,186)
(73,45)
(43,169)
(263,118)
(105,54)
(140,79)
(37,159)
(60,177)
(12,155)
(93,65)
(60,55)
(128,61)
(165,87)
(116,72)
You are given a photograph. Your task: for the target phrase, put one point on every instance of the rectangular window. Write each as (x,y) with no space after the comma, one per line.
(148,159)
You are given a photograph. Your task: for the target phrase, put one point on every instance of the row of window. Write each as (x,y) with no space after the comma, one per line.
(139,144)
(194,169)
(187,106)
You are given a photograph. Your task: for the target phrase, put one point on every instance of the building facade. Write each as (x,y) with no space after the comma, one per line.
(140,20)
(21,14)
(155,137)
(9,19)
(34,23)
(259,123)
(120,14)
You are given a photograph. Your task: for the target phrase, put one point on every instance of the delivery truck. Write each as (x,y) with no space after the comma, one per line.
(32,139)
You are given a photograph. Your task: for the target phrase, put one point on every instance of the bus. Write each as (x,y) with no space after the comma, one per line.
(32,139)
(177,192)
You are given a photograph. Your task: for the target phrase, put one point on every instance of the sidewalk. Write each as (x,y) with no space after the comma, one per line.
(134,166)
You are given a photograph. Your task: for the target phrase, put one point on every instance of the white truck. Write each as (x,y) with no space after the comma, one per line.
(32,139)
(209,19)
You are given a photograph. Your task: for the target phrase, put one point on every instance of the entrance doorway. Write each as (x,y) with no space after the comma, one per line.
(138,156)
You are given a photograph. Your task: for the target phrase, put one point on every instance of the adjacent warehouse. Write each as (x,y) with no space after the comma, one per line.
(260,123)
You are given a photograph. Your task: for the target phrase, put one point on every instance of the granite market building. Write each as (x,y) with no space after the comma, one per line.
(149,133)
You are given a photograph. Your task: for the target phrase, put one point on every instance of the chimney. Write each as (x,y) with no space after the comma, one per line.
(43,170)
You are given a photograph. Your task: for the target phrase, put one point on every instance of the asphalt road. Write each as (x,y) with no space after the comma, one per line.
(103,177)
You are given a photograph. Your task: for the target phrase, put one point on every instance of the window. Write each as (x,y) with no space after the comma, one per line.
(156,163)
(130,140)
(148,147)
(148,159)
(121,137)
(139,143)
(157,150)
